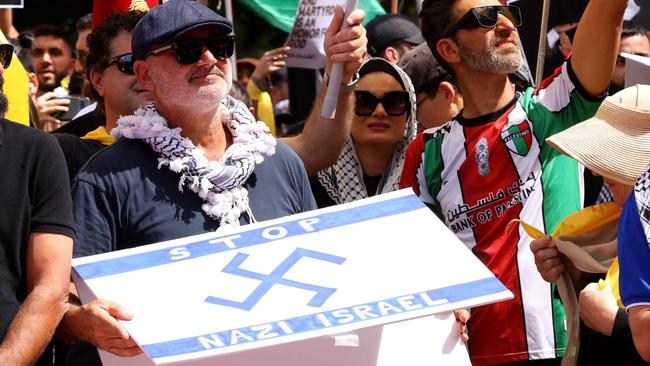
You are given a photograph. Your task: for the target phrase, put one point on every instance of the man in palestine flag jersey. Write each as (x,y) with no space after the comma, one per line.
(491,164)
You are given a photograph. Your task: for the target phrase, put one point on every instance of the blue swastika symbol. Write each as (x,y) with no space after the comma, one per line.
(275,278)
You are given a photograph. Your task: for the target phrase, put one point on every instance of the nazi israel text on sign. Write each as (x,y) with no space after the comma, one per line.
(354,266)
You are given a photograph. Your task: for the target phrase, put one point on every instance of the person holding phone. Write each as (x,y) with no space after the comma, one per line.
(54,61)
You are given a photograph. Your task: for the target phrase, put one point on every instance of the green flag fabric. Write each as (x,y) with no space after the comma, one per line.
(282,13)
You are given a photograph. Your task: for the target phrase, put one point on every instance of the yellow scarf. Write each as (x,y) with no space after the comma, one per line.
(580,238)
(584,221)
(100,135)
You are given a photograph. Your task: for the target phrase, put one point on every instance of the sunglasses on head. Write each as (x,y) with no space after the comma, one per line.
(189,51)
(6,53)
(486,17)
(123,62)
(395,103)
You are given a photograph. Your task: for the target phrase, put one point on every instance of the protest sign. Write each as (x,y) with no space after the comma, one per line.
(348,268)
(308,33)
(11,4)
(637,69)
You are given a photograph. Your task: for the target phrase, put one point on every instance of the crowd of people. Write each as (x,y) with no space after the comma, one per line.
(140,133)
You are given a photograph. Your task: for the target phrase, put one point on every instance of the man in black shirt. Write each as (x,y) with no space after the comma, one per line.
(36,232)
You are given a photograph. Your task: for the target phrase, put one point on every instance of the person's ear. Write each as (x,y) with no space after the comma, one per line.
(97,80)
(452,97)
(448,50)
(448,91)
(141,69)
(391,54)
(71,66)
(33,83)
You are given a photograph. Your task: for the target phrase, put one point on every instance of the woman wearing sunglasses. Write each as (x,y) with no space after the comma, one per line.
(382,127)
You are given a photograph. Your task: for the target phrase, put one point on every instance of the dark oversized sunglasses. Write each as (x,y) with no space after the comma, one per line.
(123,62)
(395,103)
(486,17)
(6,53)
(189,51)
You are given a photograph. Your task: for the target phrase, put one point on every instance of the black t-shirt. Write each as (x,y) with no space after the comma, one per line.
(77,151)
(35,195)
(83,124)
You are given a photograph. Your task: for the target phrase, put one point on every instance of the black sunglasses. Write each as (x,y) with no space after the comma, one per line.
(123,62)
(6,53)
(395,103)
(189,51)
(486,17)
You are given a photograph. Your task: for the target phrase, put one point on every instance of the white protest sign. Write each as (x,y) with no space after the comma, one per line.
(342,269)
(637,69)
(308,33)
(11,4)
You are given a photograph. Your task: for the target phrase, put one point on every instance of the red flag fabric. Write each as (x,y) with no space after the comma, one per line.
(102,8)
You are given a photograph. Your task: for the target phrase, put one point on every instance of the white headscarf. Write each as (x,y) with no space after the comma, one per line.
(343,181)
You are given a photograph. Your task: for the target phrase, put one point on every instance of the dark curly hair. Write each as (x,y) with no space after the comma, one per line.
(436,18)
(99,41)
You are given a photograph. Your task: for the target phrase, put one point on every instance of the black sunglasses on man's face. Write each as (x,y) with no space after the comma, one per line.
(6,53)
(123,62)
(486,17)
(189,51)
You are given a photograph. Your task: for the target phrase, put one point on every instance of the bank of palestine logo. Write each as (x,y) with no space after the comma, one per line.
(518,138)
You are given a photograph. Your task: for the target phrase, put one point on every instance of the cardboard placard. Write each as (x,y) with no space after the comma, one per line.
(344,269)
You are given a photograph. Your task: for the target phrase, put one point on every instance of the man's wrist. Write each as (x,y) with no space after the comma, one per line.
(68,330)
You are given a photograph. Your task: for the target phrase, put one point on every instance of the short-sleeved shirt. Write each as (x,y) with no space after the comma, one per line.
(478,175)
(77,151)
(634,246)
(35,196)
(123,200)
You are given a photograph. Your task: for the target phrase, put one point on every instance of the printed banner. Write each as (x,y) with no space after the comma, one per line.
(11,4)
(308,33)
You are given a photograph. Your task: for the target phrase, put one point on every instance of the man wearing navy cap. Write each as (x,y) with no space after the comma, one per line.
(392,35)
(194,160)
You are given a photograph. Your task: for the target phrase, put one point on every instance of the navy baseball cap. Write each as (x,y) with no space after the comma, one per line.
(169,21)
(388,29)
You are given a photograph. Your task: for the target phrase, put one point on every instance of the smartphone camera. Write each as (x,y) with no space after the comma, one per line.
(76,104)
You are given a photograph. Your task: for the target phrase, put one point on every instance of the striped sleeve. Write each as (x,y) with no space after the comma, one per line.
(413,165)
(559,103)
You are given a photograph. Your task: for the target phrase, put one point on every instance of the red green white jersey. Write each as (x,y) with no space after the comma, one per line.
(480,174)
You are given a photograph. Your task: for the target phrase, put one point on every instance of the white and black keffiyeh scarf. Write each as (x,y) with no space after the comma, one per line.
(219,183)
(343,181)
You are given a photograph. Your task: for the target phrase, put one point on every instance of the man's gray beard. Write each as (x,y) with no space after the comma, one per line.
(489,60)
(4,102)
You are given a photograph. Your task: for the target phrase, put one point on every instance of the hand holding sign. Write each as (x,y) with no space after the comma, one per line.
(346,45)
(345,49)
(96,323)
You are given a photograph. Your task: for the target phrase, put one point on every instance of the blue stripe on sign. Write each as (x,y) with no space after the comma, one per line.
(201,248)
(313,322)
